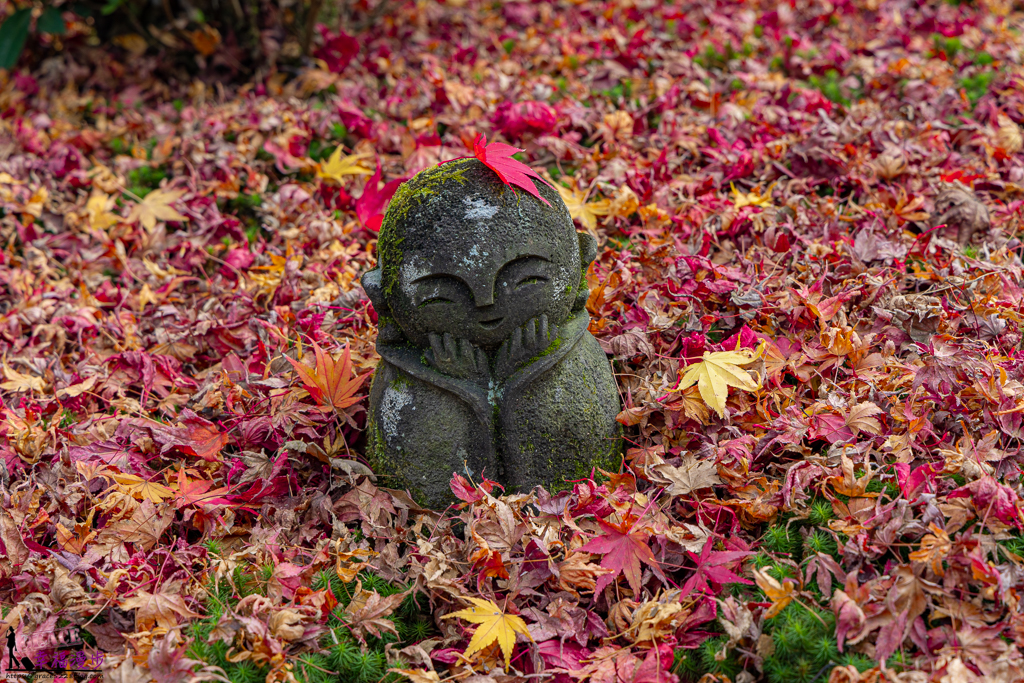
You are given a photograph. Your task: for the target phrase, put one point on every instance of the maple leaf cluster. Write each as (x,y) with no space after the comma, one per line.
(808,284)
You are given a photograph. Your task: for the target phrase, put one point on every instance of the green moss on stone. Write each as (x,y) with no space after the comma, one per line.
(552,347)
(426,184)
(400,382)
(608,461)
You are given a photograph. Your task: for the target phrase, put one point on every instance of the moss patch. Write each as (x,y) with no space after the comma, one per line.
(552,347)
(424,185)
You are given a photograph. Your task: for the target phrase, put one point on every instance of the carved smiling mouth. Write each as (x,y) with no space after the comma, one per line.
(491,324)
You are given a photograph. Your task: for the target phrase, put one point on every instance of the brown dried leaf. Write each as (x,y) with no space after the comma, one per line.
(158,609)
(690,476)
(1008,137)
(861,418)
(368,610)
(958,207)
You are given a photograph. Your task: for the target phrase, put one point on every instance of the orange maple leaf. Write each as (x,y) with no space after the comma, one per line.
(330,383)
(781,594)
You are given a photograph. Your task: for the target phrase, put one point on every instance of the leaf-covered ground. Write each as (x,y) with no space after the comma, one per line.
(836,187)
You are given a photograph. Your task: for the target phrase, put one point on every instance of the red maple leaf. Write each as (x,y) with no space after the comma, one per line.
(197,492)
(466,490)
(198,437)
(370,205)
(710,567)
(489,563)
(497,156)
(624,548)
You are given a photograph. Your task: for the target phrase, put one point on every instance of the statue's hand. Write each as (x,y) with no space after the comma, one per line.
(457,358)
(523,344)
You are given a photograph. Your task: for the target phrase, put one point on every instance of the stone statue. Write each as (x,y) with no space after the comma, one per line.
(487,366)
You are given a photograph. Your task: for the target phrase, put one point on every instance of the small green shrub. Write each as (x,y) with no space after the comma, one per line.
(805,645)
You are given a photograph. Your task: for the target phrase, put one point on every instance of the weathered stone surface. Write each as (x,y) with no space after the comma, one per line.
(487,365)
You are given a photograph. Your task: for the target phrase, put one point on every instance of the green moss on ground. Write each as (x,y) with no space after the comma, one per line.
(340,657)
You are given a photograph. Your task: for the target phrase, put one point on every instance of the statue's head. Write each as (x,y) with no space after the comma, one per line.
(461,252)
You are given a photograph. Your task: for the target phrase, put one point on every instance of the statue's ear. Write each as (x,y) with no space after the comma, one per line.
(388,331)
(588,252)
(588,249)
(371,284)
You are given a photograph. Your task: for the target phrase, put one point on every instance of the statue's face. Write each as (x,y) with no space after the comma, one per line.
(480,283)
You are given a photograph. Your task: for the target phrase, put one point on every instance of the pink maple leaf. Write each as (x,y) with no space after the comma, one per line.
(991,497)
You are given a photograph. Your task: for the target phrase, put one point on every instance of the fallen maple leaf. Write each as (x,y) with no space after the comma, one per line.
(98,207)
(935,548)
(160,609)
(711,566)
(18,382)
(781,594)
(337,167)
(752,198)
(497,156)
(147,524)
(196,491)
(861,418)
(623,548)
(157,206)
(494,625)
(137,487)
(690,476)
(717,372)
(371,203)
(582,210)
(418,675)
(350,570)
(368,611)
(1008,137)
(200,437)
(330,383)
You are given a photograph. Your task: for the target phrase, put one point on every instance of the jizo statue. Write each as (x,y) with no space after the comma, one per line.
(487,365)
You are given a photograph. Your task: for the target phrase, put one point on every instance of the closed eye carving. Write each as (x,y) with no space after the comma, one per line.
(436,300)
(440,289)
(531,280)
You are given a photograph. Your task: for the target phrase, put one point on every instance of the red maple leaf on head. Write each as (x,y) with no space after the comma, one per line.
(497,156)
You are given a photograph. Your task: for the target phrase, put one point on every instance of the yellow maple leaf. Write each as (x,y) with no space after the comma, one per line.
(717,372)
(98,207)
(132,42)
(582,210)
(752,198)
(267,278)
(781,594)
(18,382)
(494,625)
(157,207)
(137,487)
(419,675)
(337,166)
